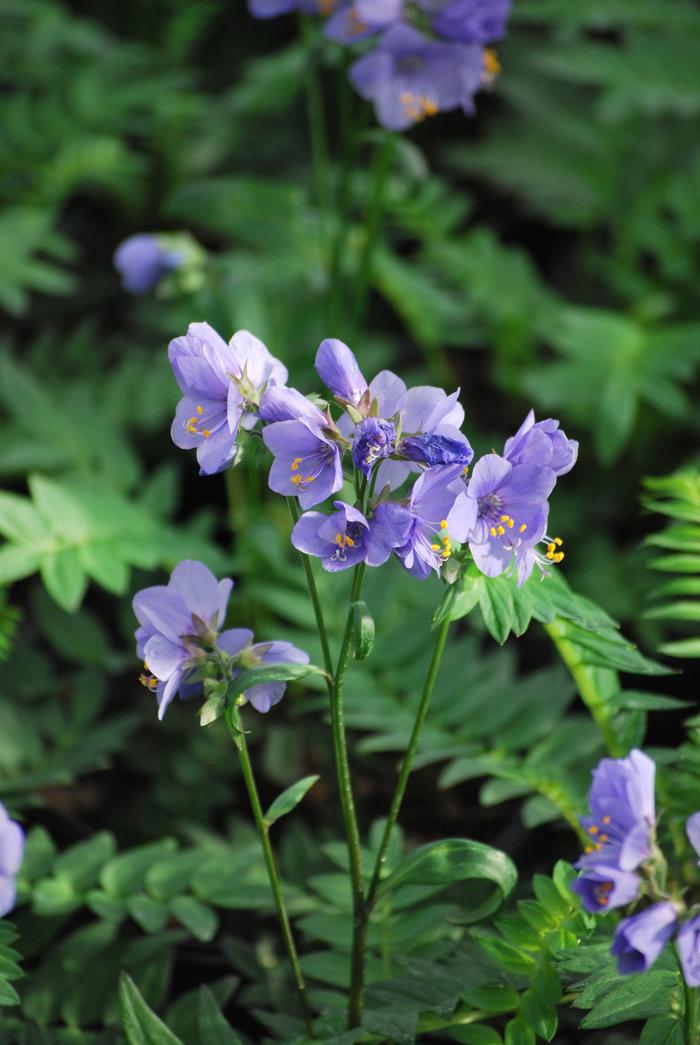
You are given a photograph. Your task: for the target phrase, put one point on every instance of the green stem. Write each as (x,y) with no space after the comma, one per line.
(407,763)
(235,728)
(691,1014)
(236,498)
(347,802)
(315,601)
(583,676)
(380,177)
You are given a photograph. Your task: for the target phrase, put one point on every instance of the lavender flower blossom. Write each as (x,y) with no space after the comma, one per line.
(11,852)
(238,643)
(640,939)
(142,261)
(621,800)
(429,419)
(470,21)
(688,943)
(179,622)
(222,386)
(510,503)
(409,77)
(308,461)
(346,538)
(692,827)
(542,443)
(358,20)
(438,513)
(602,888)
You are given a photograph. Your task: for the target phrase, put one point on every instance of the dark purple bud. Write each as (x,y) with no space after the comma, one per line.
(436,449)
(374,440)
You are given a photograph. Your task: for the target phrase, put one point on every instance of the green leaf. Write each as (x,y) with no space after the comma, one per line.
(663,1030)
(138,1021)
(476,1034)
(289,799)
(274,673)
(125,874)
(214,1029)
(496,603)
(456,860)
(519,1033)
(201,921)
(633,997)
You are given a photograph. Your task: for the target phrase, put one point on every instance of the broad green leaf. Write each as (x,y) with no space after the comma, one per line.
(196,916)
(138,1021)
(456,860)
(289,799)
(213,1026)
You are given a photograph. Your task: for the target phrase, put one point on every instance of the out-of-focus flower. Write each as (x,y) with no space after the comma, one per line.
(692,827)
(222,385)
(238,644)
(179,622)
(272,8)
(640,939)
(409,77)
(142,261)
(11,853)
(688,943)
(470,21)
(542,443)
(362,18)
(621,825)
(602,888)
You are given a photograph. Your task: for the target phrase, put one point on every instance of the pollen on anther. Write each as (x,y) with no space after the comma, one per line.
(436,547)
(501,530)
(295,463)
(493,531)
(443,524)
(200,410)
(522,528)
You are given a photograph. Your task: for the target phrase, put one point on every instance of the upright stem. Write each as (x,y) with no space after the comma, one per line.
(347,802)
(315,601)
(582,675)
(407,763)
(235,728)
(375,213)
(691,1014)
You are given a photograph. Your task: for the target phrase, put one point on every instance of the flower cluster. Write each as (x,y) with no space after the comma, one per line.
(381,436)
(182,646)
(428,56)
(621,863)
(11,852)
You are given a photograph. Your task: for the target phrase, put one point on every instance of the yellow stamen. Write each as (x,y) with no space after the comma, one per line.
(606,819)
(297,479)
(200,410)
(435,547)
(349,542)
(558,540)
(443,524)
(593,830)
(295,463)
(492,66)
(493,531)
(522,528)
(501,531)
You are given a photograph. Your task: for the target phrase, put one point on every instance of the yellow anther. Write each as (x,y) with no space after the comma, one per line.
(588,849)
(349,542)
(310,479)
(522,528)
(593,830)
(603,838)
(206,433)
(510,524)
(200,410)
(436,547)
(505,518)
(492,66)
(493,531)
(295,463)
(558,557)
(603,901)
(558,540)
(501,531)
(551,548)
(443,524)
(296,479)
(465,470)
(606,819)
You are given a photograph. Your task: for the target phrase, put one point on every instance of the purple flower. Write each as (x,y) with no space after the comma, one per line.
(358,20)
(621,800)
(419,412)
(688,943)
(11,852)
(471,21)
(409,77)
(438,514)
(374,440)
(640,939)
(222,386)
(692,827)
(238,643)
(601,888)
(511,513)
(178,622)
(308,461)
(542,443)
(142,261)
(346,537)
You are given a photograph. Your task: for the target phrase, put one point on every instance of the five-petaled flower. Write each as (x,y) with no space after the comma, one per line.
(346,537)
(222,385)
(11,852)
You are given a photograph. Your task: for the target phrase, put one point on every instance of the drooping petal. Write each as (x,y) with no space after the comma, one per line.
(640,939)
(167,694)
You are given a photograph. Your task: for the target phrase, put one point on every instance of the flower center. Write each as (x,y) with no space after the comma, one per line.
(442,542)
(598,835)
(191,425)
(418,106)
(349,539)
(602,893)
(299,480)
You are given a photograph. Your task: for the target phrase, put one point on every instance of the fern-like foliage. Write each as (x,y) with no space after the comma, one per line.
(677,497)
